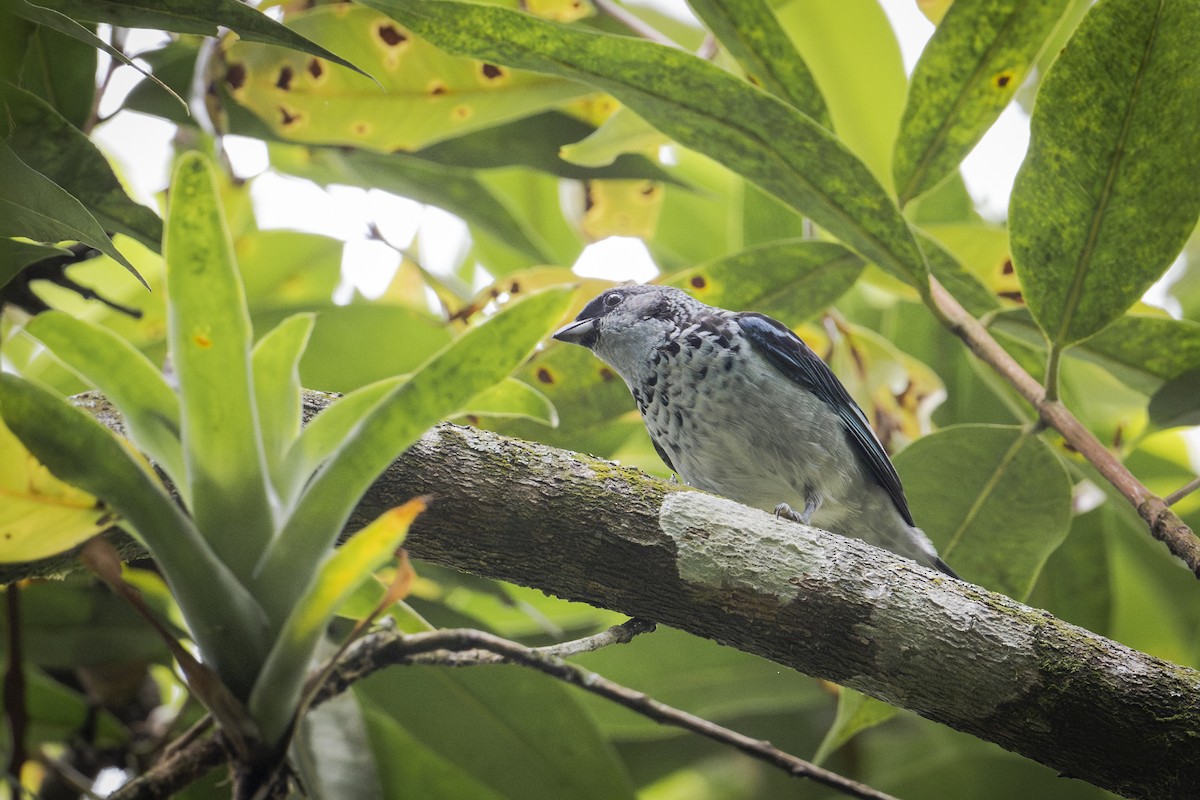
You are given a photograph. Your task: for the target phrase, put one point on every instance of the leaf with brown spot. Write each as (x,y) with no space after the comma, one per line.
(791,279)
(423,95)
(966,75)
(621,208)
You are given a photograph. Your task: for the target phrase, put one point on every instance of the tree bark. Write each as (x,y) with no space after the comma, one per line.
(836,608)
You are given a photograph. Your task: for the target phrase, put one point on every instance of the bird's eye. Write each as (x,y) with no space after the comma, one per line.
(613,299)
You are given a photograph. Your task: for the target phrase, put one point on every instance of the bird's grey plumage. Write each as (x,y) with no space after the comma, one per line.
(737,404)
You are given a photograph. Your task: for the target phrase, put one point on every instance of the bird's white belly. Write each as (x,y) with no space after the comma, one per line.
(755,437)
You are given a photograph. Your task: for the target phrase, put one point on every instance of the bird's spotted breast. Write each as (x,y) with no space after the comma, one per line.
(737,404)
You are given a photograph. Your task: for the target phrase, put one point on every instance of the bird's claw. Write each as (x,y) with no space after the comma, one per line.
(811,504)
(785,511)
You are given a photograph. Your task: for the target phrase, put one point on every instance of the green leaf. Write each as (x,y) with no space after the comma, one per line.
(276,365)
(752,35)
(713,681)
(80,623)
(1131,348)
(855,713)
(174,65)
(226,621)
(330,429)
(1177,402)
(1011,505)
(512,398)
(33,206)
(1076,584)
(209,335)
(107,362)
(332,756)
(403,761)
(792,279)
(48,143)
(334,359)
(41,515)
(698,105)
(516,732)
(276,694)
(16,255)
(63,24)
(536,199)
(423,95)
(964,285)
(204,17)
(593,404)
(479,358)
(969,71)
(62,71)
(549,142)
(57,713)
(1105,201)
(851,48)
(449,187)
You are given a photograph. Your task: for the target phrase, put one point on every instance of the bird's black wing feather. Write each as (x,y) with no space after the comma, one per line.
(791,356)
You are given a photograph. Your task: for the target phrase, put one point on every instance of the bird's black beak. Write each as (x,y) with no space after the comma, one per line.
(581,332)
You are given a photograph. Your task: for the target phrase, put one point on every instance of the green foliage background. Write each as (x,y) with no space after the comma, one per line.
(825,198)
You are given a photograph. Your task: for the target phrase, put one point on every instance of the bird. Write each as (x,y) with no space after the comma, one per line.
(738,405)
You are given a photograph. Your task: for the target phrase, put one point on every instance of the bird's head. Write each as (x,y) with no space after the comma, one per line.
(626,324)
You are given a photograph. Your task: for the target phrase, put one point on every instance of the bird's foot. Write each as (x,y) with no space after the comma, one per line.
(811,504)
(785,511)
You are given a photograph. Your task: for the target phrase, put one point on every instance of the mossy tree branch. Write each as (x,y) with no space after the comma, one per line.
(589,530)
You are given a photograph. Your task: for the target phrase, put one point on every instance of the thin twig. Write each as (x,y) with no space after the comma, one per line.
(448,647)
(70,776)
(176,772)
(186,761)
(1164,524)
(118,42)
(1182,492)
(14,682)
(1053,359)
(632,22)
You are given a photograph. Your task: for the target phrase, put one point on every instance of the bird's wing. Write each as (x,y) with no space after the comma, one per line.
(662,453)
(791,356)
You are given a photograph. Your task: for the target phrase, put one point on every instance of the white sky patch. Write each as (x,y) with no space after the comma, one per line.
(617,258)
(247,156)
(989,169)
(367,267)
(913,29)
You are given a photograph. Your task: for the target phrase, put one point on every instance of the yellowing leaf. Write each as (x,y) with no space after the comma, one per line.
(277,690)
(623,132)
(560,10)
(426,95)
(39,514)
(897,392)
(621,208)
(934,10)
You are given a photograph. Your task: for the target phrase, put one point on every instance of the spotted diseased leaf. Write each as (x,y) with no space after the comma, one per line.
(790,280)
(1105,201)
(427,96)
(204,17)
(968,72)
(699,106)
(621,208)
(752,34)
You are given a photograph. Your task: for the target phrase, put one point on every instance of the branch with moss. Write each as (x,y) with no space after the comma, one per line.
(1165,525)
(589,530)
